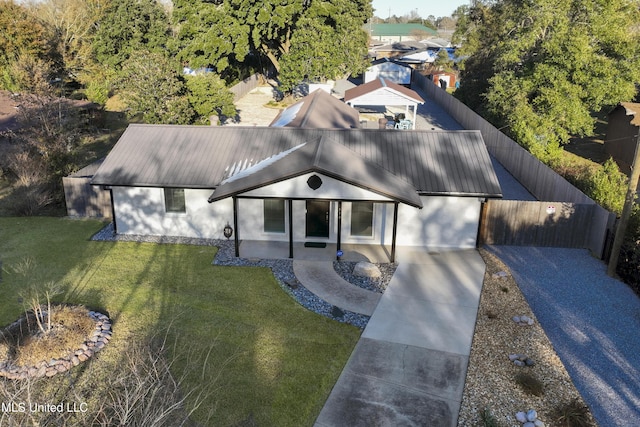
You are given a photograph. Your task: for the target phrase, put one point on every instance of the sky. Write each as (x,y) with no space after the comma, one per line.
(437,8)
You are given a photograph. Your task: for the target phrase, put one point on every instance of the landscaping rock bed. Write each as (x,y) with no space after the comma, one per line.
(98,339)
(496,387)
(376,284)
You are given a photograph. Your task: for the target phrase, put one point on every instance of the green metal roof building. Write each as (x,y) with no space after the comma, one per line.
(398,32)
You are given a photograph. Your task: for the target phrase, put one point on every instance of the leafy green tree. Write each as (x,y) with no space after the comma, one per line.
(540,68)
(328,43)
(151,87)
(216,33)
(212,33)
(129,26)
(209,96)
(72,24)
(23,37)
(443,61)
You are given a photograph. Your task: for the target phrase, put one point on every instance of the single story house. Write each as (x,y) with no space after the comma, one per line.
(377,187)
(393,71)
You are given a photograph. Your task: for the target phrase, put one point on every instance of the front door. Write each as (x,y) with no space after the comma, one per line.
(317,218)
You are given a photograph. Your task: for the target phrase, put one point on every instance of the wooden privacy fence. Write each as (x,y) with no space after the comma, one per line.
(245,86)
(540,180)
(82,198)
(524,223)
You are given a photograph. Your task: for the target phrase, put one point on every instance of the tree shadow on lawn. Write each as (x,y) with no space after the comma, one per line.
(239,344)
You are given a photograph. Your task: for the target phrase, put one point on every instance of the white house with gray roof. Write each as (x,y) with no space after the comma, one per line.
(377,187)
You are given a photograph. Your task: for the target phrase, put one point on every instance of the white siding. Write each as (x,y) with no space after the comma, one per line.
(389,70)
(141,211)
(442,222)
(331,188)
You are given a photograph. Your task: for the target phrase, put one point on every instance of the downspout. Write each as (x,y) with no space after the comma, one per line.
(113,210)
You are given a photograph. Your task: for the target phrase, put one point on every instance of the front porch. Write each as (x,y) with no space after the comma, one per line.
(262,249)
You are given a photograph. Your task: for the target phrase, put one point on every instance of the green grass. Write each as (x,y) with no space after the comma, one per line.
(233,331)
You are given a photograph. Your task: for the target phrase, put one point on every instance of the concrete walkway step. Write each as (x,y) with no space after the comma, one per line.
(320,278)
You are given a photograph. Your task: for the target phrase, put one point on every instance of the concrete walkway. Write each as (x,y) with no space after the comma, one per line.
(320,278)
(409,367)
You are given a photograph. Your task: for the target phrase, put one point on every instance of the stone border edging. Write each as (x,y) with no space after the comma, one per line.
(100,336)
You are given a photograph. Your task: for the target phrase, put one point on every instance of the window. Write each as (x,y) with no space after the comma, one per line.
(174,200)
(274,216)
(362,219)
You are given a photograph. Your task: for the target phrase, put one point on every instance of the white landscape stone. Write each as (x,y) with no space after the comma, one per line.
(366,269)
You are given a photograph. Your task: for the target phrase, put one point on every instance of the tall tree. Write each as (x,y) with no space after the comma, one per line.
(539,68)
(23,37)
(72,24)
(212,33)
(151,87)
(128,26)
(328,43)
(209,96)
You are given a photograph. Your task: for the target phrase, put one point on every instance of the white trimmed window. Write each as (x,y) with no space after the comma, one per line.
(174,200)
(274,216)
(362,219)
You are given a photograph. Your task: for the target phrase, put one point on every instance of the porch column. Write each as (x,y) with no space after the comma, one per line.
(290,228)
(395,232)
(415,114)
(235,225)
(339,228)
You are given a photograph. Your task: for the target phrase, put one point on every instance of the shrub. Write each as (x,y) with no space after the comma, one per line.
(572,414)
(488,419)
(628,267)
(608,186)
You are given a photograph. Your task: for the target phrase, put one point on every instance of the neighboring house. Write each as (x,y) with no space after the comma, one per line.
(399,32)
(395,50)
(423,57)
(318,110)
(383,92)
(419,188)
(622,134)
(444,79)
(387,69)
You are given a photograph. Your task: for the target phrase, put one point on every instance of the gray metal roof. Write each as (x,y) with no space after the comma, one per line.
(433,162)
(318,110)
(382,88)
(321,155)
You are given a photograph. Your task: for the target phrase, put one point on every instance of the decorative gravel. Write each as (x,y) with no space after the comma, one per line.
(282,270)
(345,270)
(592,320)
(499,341)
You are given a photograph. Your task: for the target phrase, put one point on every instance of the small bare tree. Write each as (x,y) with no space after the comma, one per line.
(37,297)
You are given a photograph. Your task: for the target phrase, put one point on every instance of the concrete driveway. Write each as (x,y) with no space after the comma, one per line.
(409,367)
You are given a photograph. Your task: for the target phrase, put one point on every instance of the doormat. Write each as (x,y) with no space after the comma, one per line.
(315,245)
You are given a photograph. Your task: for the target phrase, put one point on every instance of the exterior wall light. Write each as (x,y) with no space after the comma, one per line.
(227,231)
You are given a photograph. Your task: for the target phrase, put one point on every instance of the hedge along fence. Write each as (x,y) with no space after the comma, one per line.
(541,181)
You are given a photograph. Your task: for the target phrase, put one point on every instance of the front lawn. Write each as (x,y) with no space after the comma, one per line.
(256,356)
